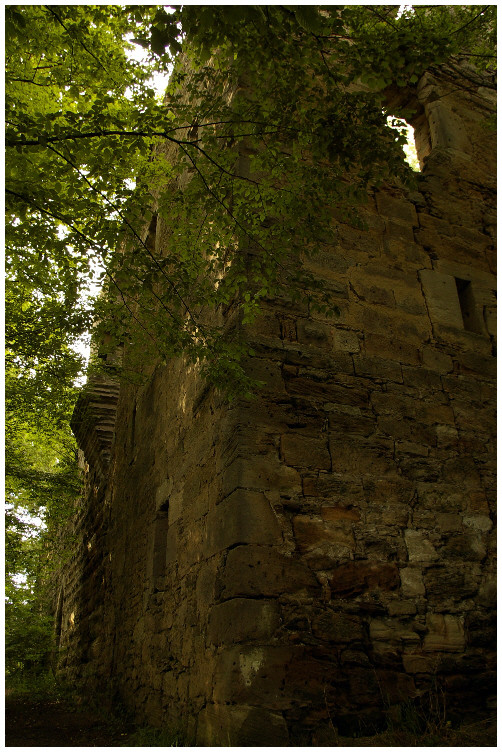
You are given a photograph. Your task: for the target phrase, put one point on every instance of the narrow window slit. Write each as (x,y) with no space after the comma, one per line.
(468,306)
(160,541)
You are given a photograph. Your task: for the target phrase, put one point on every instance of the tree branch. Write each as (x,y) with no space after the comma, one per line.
(128,224)
(66,222)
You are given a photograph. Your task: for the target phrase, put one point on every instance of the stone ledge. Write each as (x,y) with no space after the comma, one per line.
(93,421)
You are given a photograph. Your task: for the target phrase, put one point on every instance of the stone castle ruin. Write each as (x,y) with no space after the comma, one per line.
(265,572)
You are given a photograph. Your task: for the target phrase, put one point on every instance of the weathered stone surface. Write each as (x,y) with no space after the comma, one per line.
(241,620)
(377,368)
(346,341)
(243,517)
(351,579)
(444,633)
(260,473)
(442,298)
(390,630)
(263,571)
(395,207)
(300,451)
(332,514)
(412,581)
(414,663)
(419,548)
(332,487)
(391,349)
(375,458)
(240,726)
(324,543)
(338,628)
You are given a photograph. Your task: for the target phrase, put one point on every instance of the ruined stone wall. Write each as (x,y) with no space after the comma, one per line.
(266,572)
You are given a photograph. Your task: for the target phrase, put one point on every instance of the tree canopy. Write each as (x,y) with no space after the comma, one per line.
(282,104)
(274,116)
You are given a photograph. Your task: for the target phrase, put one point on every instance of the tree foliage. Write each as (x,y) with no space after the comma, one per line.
(275,117)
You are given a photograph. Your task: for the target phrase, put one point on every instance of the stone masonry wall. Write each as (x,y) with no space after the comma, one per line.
(266,572)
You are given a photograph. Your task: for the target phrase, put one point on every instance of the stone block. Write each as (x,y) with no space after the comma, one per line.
(402,608)
(275,677)
(329,486)
(395,325)
(395,514)
(264,572)
(367,291)
(242,620)
(397,207)
(464,547)
(288,328)
(240,726)
(392,348)
(267,372)
(359,458)
(408,447)
(354,658)
(483,365)
(314,333)
(328,360)
(303,451)
(377,368)
(412,583)
(323,543)
(205,591)
(415,663)
(243,517)
(451,582)
(172,544)
(357,577)
(436,360)
(419,548)
(392,630)
(401,231)
(409,297)
(490,318)
(424,379)
(261,473)
(353,423)
(338,628)
(448,521)
(476,502)
(479,522)
(442,299)
(333,514)
(314,387)
(403,426)
(445,633)
(363,687)
(345,341)
(265,326)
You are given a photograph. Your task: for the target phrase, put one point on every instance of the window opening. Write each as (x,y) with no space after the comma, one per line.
(409,148)
(160,541)
(468,306)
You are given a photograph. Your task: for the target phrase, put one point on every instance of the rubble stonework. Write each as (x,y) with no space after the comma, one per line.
(263,573)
